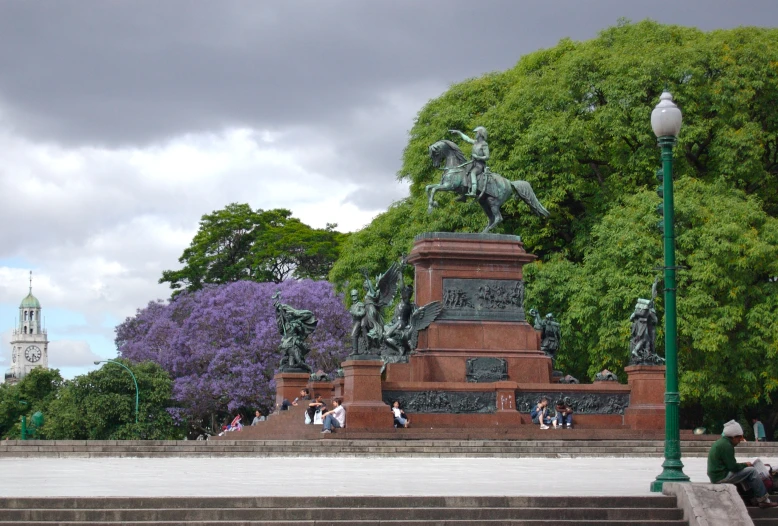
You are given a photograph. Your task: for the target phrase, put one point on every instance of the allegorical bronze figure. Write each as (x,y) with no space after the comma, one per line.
(642,342)
(295,326)
(550,333)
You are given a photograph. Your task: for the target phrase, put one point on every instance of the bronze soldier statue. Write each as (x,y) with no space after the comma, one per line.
(479,155)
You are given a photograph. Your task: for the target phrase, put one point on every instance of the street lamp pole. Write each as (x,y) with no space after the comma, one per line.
(666,123)
(24,419)
(137,391)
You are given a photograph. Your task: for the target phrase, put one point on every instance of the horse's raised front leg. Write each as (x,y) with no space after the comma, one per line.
(431,189)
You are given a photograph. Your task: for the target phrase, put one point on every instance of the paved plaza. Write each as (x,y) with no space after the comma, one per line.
(326,476)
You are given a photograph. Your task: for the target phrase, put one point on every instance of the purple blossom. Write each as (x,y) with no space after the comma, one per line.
(220,344)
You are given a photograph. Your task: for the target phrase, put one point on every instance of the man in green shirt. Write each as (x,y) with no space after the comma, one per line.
(724,469)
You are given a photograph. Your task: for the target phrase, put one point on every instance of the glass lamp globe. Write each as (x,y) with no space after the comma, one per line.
(666,117)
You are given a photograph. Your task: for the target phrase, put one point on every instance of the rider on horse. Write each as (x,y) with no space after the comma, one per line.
(479,154)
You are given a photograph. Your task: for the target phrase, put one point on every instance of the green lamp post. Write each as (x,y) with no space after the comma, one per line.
(133,379)
(23,405)
(666,123)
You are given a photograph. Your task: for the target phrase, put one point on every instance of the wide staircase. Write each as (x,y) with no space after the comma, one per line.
(351,511)
(286,435)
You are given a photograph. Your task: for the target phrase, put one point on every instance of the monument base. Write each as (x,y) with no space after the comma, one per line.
(362,395)
(646,406)
(288,385)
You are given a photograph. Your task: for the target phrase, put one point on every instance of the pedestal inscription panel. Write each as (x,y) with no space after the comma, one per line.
(483,299)
(486,370)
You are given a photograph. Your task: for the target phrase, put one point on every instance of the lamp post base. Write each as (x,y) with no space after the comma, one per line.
(673,472)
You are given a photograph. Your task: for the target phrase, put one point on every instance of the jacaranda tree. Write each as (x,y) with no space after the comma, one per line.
(220,344)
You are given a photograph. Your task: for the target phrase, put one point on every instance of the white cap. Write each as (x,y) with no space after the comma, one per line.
(732,429)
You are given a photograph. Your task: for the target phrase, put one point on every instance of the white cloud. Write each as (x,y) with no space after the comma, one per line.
(5,351)
(99,225)
(71,353)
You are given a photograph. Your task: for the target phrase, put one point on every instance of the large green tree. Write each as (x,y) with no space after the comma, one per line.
(33,393)
(574,121)
(100,405)
(727,306)
(238,243)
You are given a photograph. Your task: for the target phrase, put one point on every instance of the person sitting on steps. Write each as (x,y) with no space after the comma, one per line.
(564,415)
(539,415)
(316,405)
(304,395)
(724,469)
(400,418)
(334,419)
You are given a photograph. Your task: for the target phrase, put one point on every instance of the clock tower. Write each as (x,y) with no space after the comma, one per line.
(29,343)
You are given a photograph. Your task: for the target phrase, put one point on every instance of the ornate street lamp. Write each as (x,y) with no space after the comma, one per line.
(133,379)
(666,122)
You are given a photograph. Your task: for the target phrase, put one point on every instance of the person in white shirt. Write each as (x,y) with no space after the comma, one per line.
(400,418)
(334,419)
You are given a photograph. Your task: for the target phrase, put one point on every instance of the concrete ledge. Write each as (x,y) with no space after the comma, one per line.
(709,504)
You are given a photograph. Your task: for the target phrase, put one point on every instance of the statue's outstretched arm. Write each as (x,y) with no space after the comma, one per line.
(464,137)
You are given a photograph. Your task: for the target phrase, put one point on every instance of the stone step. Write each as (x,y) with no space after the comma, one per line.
(764,517)
(363,449)
(279,511)
(381,522)
(180,445)
(370,448)
(399,444)
(339,514)
(376,455)
(618,501)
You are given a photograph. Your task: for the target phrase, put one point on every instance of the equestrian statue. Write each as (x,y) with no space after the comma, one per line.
(474,179)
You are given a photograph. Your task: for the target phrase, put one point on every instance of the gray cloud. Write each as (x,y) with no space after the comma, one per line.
(112,72)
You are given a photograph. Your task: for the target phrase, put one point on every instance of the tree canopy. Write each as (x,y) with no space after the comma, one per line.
(238,243)
(574,121)
(727,307)
(100,405)
(220,344)
(37,390)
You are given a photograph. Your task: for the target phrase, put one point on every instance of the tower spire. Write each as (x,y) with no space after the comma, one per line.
(31,282)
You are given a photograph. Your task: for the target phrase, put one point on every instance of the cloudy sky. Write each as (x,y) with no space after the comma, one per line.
(121,123)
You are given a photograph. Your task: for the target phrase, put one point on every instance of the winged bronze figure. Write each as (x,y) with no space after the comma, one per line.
(402,335)
(368,330)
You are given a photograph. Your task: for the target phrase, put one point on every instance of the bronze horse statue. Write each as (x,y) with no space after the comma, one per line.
(493,189)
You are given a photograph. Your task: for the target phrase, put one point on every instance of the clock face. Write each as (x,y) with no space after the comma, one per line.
(32,353)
